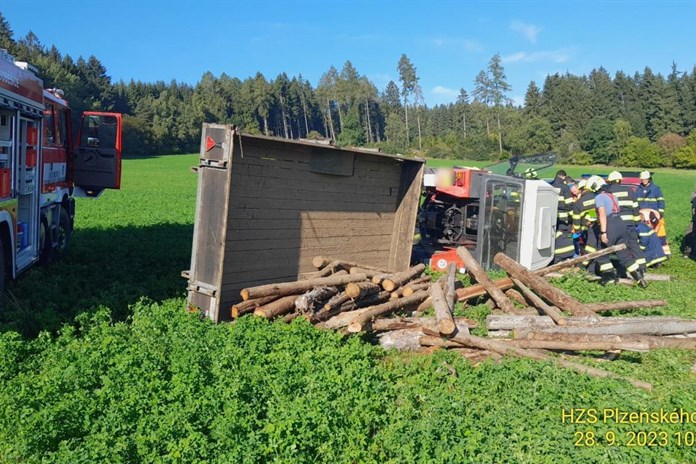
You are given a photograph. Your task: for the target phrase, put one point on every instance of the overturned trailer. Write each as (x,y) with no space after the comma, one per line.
(266,206)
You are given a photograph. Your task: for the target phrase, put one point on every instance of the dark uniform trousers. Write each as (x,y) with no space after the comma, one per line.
(616,233)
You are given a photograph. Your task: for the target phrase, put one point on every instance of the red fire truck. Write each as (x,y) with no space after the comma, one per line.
(42,168)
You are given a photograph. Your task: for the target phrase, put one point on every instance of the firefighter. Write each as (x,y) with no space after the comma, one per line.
(650,196)
(629,212)
(650,242)
(610,230)
(565,247)
(583,204)
(560,179)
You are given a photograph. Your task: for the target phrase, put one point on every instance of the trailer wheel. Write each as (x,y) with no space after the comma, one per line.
(64,234)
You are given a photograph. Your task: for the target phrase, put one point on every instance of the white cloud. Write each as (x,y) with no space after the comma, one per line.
(554,56)
(529,31)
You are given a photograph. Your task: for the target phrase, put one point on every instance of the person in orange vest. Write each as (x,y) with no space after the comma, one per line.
(650,242)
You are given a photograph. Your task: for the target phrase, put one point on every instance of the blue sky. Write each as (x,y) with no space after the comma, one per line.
(449,42)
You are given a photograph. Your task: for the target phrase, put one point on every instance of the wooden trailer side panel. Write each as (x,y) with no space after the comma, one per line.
(287,202)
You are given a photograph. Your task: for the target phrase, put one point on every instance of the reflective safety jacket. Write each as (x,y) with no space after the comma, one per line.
(565,205)
(650,197)
(628,203)
(651,245)
(581,206)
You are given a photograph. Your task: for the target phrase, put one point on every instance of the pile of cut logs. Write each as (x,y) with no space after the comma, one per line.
(531,315)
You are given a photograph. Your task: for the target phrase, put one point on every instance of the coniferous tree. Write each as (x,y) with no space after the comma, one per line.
(409,81)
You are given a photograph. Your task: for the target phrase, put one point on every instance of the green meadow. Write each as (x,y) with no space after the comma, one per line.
(100,362)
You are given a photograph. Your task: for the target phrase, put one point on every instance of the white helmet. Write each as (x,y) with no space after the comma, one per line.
(645,175)
(614,176)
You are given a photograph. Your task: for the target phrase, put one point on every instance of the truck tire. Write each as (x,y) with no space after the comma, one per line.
(64,232)
(44,242)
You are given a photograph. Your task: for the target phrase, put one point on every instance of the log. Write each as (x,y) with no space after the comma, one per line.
(357,324)
(443,313)
(401,340)
(377,279)
(618,305)
(638,327)
(513,321)
(291,317)
(329,269)
(556,296)
(350,305)
(361,289)
(429,340)
(410,289)
(504,348)
(343,315)
(249,306)
(321,261)
(368,272)
(276,308)
(553,312)
(336,301)
(576,342)
(581,259)
(449,287)
(314,299)
(475,269)
(396,323)
(510,322)
(289,288)
(475,291)
(623,281)
(397,280)
(516,296)
(325,271)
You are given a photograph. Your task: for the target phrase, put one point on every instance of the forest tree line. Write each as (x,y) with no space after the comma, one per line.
(641,120)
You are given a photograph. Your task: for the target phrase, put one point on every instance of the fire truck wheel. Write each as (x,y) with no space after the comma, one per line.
(44,243)
(64,235)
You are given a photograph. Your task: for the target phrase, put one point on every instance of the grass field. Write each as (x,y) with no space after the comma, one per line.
(134,378)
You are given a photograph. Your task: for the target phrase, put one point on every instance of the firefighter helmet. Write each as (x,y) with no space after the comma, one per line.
(530,173)
(582,184)
(614,176)
(596,183)
(645,175)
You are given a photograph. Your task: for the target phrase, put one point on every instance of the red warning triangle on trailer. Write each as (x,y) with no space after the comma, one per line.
(209,143)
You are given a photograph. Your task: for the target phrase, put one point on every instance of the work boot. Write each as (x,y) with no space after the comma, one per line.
(639,277)
(609,277)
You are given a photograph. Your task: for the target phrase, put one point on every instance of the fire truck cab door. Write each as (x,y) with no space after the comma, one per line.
(97,157)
